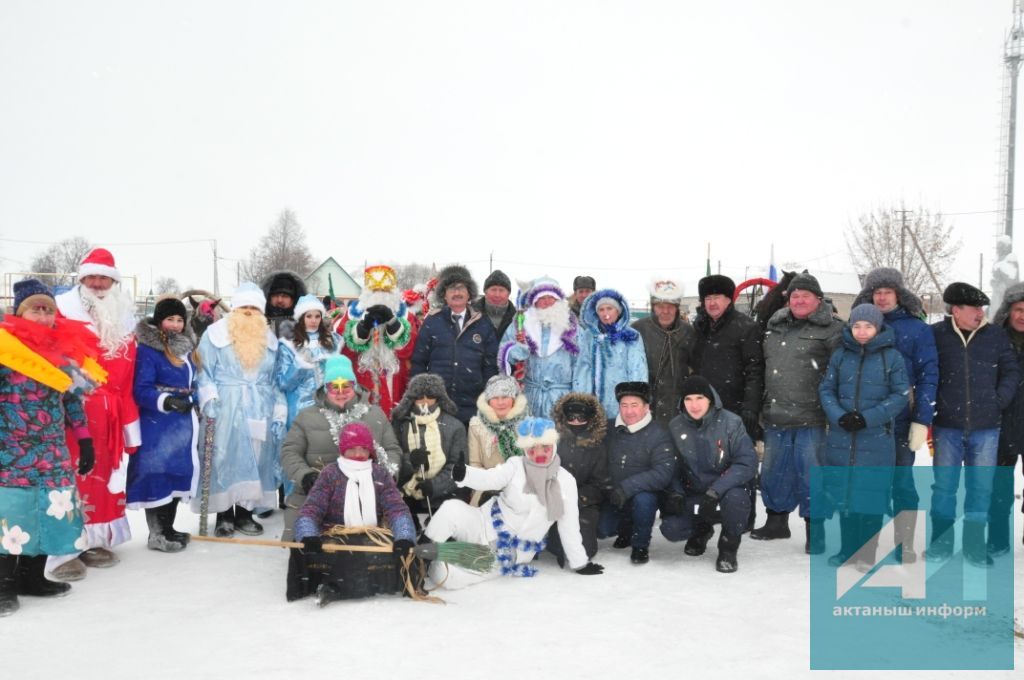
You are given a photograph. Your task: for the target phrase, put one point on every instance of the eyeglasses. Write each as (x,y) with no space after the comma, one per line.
(339,385)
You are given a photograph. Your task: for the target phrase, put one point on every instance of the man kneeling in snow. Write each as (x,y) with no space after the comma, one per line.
(534,493)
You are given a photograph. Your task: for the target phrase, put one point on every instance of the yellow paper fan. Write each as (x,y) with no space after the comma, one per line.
(18,357)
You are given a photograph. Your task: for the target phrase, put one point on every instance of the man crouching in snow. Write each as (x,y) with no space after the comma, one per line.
(534,493)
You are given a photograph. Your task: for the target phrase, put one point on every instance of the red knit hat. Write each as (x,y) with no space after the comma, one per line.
(356,434)
(98,262)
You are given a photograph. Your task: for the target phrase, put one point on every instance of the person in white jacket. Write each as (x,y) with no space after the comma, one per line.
(534,493)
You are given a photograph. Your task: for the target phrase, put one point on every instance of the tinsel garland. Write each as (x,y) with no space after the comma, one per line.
(336,421)
(508,544)
(398,342)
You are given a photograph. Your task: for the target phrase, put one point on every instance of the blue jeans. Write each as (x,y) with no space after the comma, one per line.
(904,493)
(977,451)
(636,519)
(789,455)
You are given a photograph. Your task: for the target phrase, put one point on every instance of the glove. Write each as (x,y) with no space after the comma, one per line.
(675,504)
(590,569)
(211,408)
(277,429)
(393,327)
(707,506)
(617,498)
(363,327)
(312,544)
(178,404)
(308,480)
(419,458)
(426,487)
(86,456)
(459,472)
(401,548)
(518,352)
(852,421)
(918,436)
(380,314)
(752,423)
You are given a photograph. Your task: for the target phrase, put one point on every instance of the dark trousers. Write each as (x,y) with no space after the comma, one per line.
(734,509)
(635,519)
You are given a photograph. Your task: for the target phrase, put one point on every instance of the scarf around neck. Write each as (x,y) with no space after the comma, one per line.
(360,496)
(542,482)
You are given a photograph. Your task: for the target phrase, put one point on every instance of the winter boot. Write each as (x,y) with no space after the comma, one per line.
(169,512)
(869,526)
(31,580)
(72,570)
(245,524)
(225,527)
(776,526)
(622,541)
(999,535)
(904,527)
(975,548)
(8,588)
(99,558)
(940,548)
(698,543)
(297,583)
(814,544)
(727,547)
(639,556)
(848,541)
(157,538)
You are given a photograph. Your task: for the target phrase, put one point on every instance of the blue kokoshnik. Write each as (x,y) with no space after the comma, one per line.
(508,544)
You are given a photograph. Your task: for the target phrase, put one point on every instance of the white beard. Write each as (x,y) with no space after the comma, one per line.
(556,317)
(111,312)
(391,299)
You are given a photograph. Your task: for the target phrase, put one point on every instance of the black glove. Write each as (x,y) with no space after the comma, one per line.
(707,505)
(459,472)
(178,404)
(617,498)
(752,424)
(363,327)
(379,313)
(86,456)
(419,458)
(401,548)
(675,504)
(308,480)
(426,488)
(852,421)
(312,544)
(393,326)
(591,569)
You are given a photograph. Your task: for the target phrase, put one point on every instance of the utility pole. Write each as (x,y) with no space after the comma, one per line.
(216,280)
(903,238)
(490,263)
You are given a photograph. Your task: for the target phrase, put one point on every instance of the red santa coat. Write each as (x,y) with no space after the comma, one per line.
(113,419)
(384,392)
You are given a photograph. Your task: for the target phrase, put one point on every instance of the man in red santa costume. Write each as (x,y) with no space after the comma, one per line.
(111,411)
(379,337)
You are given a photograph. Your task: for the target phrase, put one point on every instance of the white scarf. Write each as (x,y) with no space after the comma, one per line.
(360,496)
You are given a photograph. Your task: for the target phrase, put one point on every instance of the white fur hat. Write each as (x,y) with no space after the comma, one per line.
(533,431)
(666,290)
(248,294)
(308,303)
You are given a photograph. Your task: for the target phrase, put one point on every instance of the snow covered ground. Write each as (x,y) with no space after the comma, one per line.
(218,611)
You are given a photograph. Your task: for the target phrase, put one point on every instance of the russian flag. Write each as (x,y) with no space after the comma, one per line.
(773,273)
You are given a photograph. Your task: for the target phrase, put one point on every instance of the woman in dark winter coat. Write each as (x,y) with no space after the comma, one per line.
(1011,432)
(433,440)
(40,510)
(581,425)
(864,389)
(165,469)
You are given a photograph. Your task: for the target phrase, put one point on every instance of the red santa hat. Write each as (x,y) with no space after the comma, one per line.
(98,262)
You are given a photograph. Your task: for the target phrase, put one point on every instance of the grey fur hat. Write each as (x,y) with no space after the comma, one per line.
(424,385)
(1014,293)
(501,386)
(887,277)
(450,275)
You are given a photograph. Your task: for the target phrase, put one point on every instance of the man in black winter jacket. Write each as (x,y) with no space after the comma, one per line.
(1011,433)
(978,377)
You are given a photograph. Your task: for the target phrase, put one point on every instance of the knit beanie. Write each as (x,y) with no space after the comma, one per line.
(31,292)
(338,367)
(697,384)
(806,282)
(501,386)
(498,278)
(867,312)
(608,301)
(356,434)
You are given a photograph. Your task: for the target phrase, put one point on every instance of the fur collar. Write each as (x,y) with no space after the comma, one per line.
(594,434)
(488,415)
(822,316)
(180,344)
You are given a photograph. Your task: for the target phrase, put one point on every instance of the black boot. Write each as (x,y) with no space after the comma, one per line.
(848,540)
(297,584)
(31,580)
(776,526)
(8,588)
(940,548)
(157,538)
(975,547)
(639,556)
(170,512)
(245,524)
(728,544)
(698,543)
(869,526)
(814,530)
(998,535)
(225,527)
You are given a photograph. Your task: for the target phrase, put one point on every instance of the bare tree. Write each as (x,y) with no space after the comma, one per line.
(411,274)
(166,284)
(283,247)
(916,242)
(60,261)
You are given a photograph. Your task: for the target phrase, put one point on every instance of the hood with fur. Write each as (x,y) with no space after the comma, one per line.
(1014,293)
(886,277)
(595,430)
(519,408)
(179,343)
(590,320)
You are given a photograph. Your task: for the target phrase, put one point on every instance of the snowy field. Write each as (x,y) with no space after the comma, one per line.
(218,611)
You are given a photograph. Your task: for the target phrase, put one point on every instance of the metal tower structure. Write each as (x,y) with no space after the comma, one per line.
(1012,54)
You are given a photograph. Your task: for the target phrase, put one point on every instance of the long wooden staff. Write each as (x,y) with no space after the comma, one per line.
(204,497)
(327,547)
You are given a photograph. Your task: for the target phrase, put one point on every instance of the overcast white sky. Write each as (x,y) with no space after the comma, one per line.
(613,138)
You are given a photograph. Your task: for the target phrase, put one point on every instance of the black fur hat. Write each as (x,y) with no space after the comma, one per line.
(960,293)
(168,307)
(633,389)
(452,274)
(716,284)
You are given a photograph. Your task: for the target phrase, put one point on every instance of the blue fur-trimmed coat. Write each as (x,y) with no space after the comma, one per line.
(300,370)
(325,505)
(606,359)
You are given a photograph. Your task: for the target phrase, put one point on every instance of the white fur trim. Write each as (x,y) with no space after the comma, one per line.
(550,436)
(160,402)
(96,269)
(310,306)
(133,434)
(249,298)
(206,393)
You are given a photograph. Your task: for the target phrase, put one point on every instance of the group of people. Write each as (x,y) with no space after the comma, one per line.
(543,424)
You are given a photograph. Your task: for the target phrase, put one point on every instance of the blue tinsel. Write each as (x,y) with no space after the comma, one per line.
(508,544)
